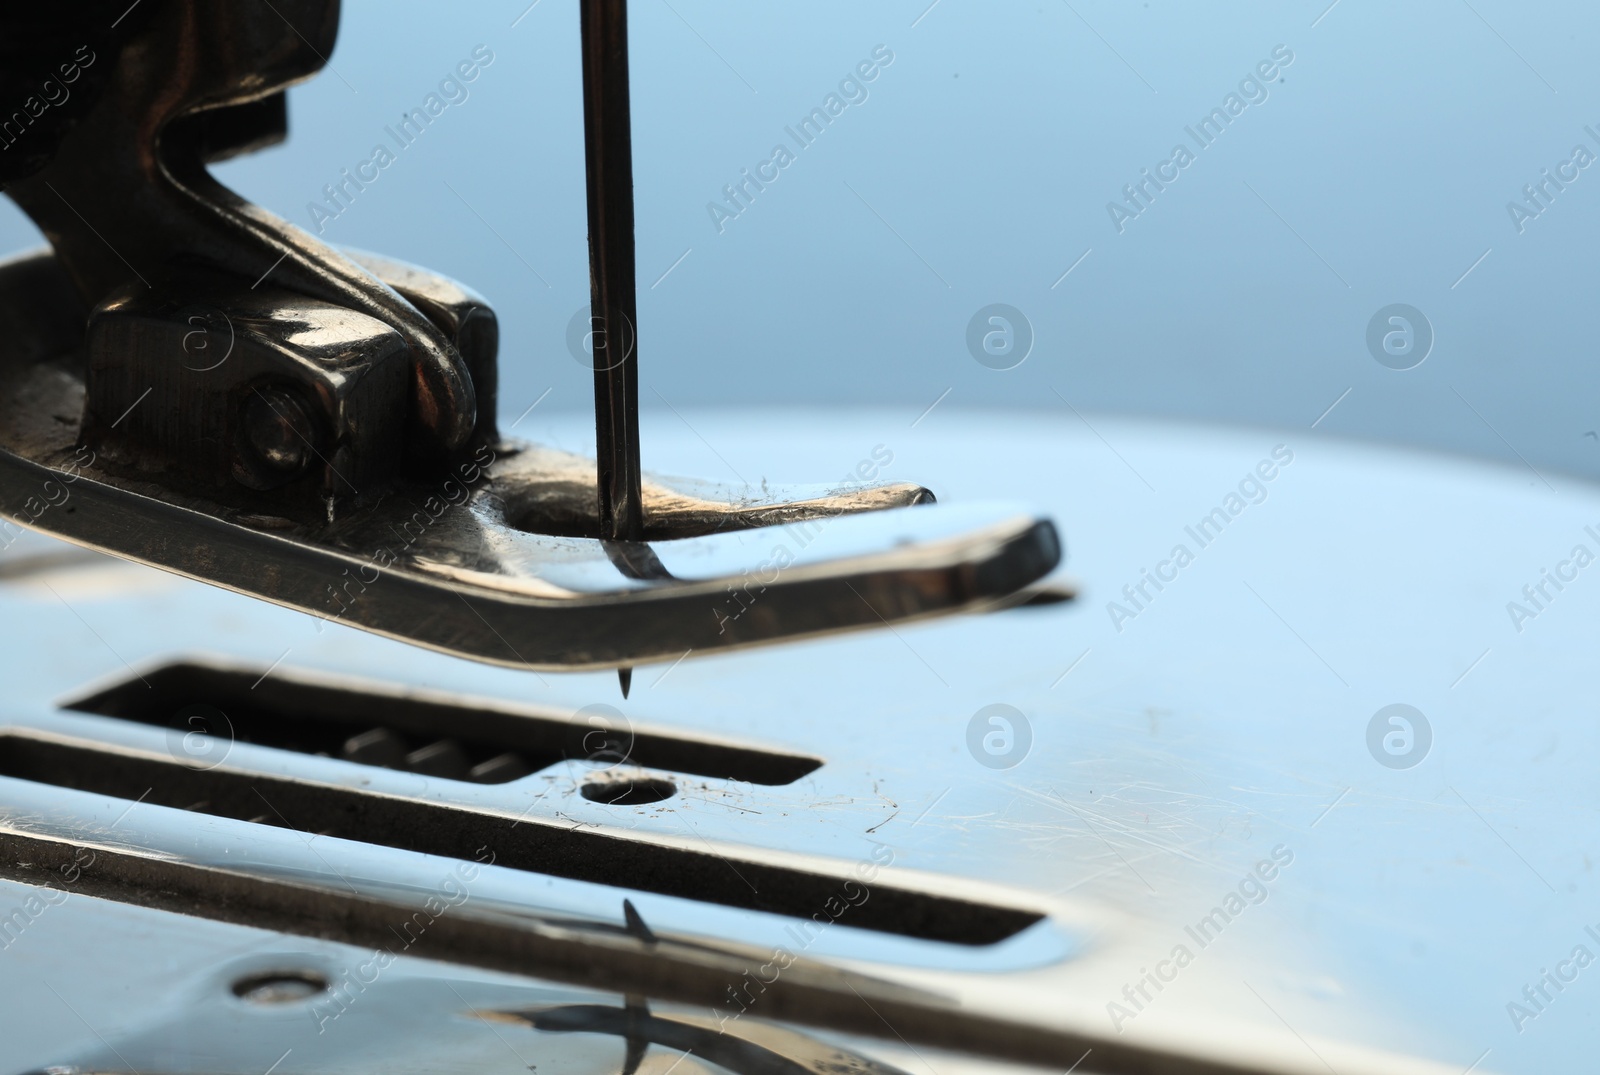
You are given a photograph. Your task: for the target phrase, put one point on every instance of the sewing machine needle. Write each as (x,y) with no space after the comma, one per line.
(613,309)
(608,152)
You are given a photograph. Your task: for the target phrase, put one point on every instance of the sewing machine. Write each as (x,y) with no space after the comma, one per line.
(323,769)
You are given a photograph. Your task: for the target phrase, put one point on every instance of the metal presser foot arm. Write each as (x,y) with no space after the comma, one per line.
(195,384)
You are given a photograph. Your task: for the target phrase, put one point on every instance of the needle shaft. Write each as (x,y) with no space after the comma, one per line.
(608,153)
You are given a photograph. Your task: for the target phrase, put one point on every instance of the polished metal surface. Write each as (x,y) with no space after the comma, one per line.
(493,560)
(1153,772)
(316,439)
(1260,788)
(126,197)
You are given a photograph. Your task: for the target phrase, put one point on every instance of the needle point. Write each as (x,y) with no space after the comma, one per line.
(625,677)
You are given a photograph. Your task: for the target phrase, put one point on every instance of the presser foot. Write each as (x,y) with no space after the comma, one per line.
(492,554)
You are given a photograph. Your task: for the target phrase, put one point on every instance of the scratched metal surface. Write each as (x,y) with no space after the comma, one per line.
(1171,750)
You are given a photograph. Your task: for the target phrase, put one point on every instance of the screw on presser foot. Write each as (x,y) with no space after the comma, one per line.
(343,458)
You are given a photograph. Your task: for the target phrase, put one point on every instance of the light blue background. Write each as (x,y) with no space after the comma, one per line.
(981,166)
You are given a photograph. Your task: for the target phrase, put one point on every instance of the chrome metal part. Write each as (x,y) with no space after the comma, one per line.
(126,196)
(255,409)
(495,560)
(1156,778)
